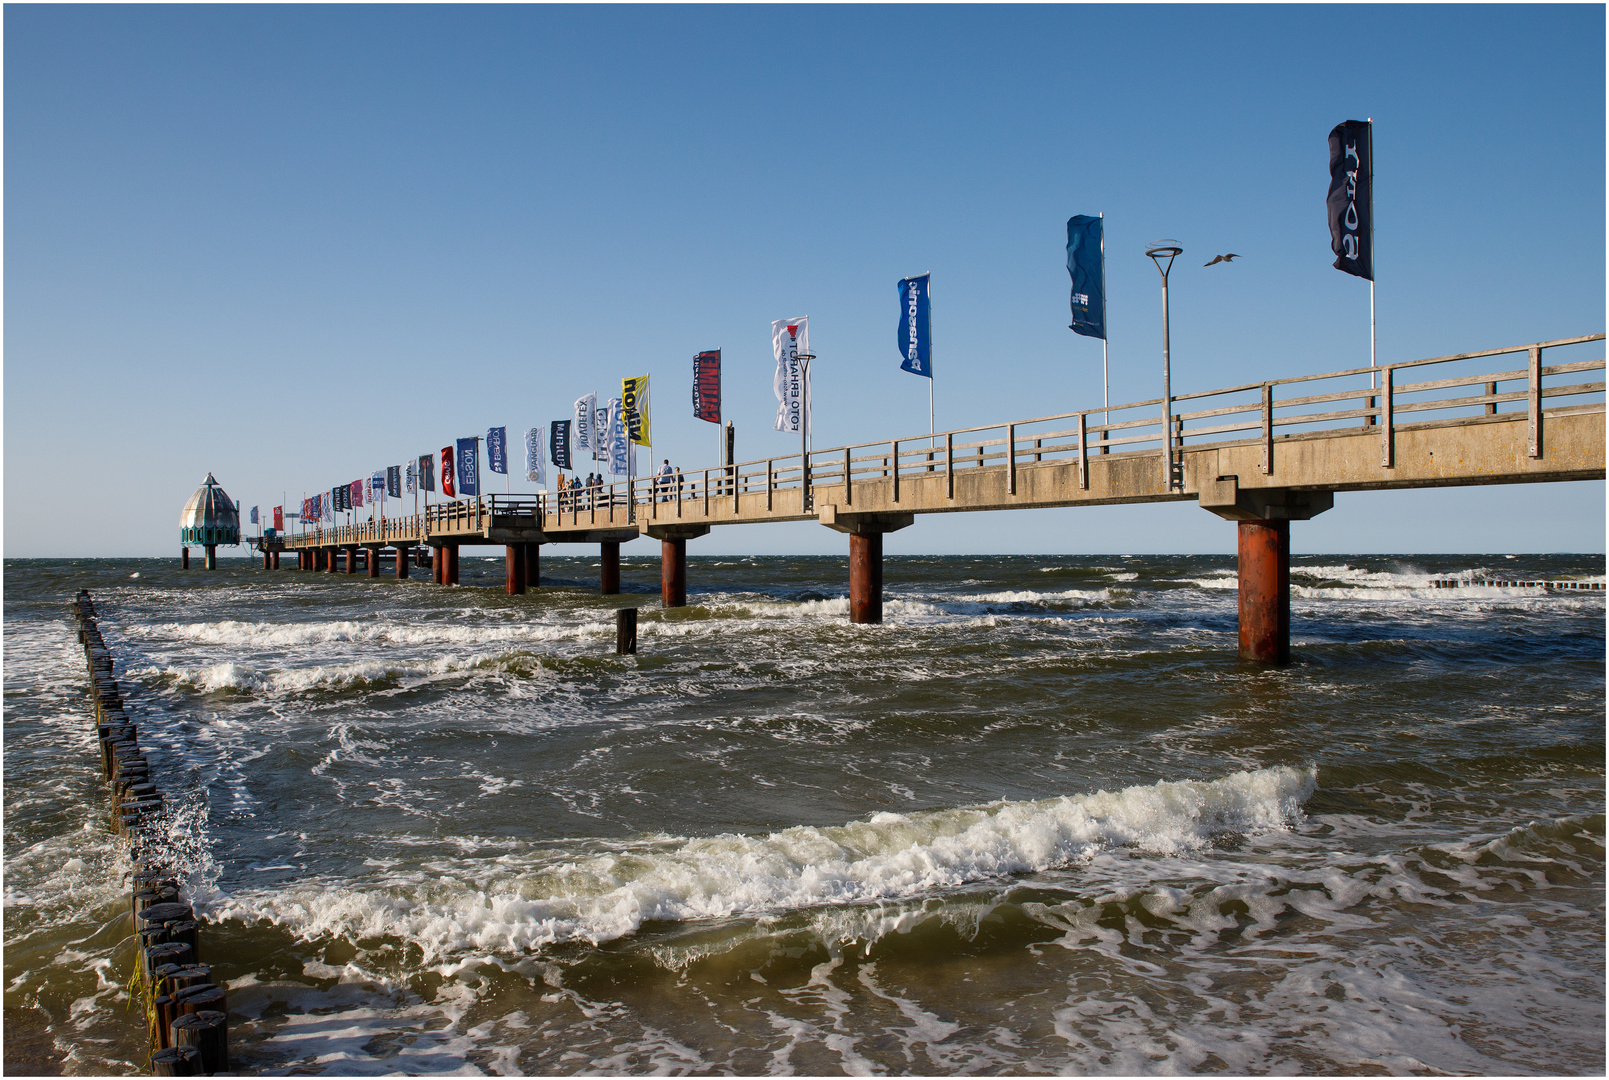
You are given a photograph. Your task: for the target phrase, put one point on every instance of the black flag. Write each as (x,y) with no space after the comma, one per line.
(427,472)
(559,443)
(1351,203)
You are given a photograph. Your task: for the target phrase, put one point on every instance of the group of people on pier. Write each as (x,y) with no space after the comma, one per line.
(579,494)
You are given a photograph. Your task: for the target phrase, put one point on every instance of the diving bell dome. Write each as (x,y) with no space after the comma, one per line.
(209,517)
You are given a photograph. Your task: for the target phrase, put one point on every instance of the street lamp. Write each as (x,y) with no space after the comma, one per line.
(806,502)
(1173,477)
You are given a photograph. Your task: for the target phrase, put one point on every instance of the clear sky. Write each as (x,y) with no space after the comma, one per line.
(292,245)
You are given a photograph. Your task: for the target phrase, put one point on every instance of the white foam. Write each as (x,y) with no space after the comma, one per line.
(612,893)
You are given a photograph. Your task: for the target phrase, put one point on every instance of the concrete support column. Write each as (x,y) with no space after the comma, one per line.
(212,557)
(609,575)
(374,562)
(866,577)
(673,572)
(514,569)
(533,566)
(184,558)
(1265,591)
(404,553)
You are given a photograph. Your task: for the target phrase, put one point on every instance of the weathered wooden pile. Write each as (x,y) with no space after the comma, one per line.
(186,1012)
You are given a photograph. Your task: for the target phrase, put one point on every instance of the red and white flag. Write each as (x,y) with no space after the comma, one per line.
(790,339)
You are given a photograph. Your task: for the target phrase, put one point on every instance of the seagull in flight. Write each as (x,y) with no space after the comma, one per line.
(1222,259)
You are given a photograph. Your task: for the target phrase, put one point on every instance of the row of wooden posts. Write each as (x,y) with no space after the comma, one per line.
(186,1011)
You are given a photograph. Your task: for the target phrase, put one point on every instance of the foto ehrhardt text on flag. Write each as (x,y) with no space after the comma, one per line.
(790,339)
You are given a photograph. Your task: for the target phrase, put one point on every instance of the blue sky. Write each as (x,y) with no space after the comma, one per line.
(291,245)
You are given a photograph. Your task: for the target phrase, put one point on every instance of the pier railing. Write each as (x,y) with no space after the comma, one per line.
(1467,388)
(1386,399)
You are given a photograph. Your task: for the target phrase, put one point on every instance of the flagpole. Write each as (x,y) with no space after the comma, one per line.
(930,439)
(1373,377)
(1106,378)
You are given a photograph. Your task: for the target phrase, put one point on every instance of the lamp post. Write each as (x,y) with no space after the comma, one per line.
(806,502)
(1168,250)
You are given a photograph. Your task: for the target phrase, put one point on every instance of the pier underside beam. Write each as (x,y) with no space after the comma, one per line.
(673,560)
(514,569)
(1263,518)
(609,568)
(865,557)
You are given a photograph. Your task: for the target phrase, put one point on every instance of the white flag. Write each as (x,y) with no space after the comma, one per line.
(584,439)
(789,339)
(600,433)
(535,438)
(412,468)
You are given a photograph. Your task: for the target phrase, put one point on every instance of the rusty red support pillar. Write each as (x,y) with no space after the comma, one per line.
(332,560)
(866,577)
(184,558)
(533,566)
(374,561)
(268,562)
(449,564)
(276,560)
(673,572)
(514,569)
(351,560)
(403,555)
(609,576)
(1265,591)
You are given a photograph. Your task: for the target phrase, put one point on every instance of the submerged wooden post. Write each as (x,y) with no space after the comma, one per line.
(626,631)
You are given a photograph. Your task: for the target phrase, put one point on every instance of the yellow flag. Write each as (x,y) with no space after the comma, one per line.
(634,408)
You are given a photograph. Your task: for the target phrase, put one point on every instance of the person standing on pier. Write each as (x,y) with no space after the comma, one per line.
(666,475)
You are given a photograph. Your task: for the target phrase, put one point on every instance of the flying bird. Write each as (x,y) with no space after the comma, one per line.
(1222,258)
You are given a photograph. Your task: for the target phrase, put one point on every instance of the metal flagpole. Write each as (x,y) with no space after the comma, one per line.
(1372,374)
(1106,380)
(930,429)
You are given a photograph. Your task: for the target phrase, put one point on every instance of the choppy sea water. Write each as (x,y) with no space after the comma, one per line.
(1040,821)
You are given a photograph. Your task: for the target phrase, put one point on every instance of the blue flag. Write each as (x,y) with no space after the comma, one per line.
(1086,262)
(254,515)
(497,449)
(468,467)
(915,327)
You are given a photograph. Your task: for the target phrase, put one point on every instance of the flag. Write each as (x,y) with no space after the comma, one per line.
(357,495)
(600,433)
(254,515)
(585,425)
(447,472)
(412,477)
(915,327)
(279,519)
(377,486)
(307,509)
(707,386)
(497,449)
(634,407)
(559,443)
(1086,264)
(533,456)
(328,508)
(393,481)
(1350,205)
(427,472)
(467,471)
(338,498)
(619,443)
(790,339)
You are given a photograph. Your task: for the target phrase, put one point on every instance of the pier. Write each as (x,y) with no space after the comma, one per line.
(1258,455)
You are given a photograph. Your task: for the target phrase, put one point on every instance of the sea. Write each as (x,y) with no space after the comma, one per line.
(1041,820)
